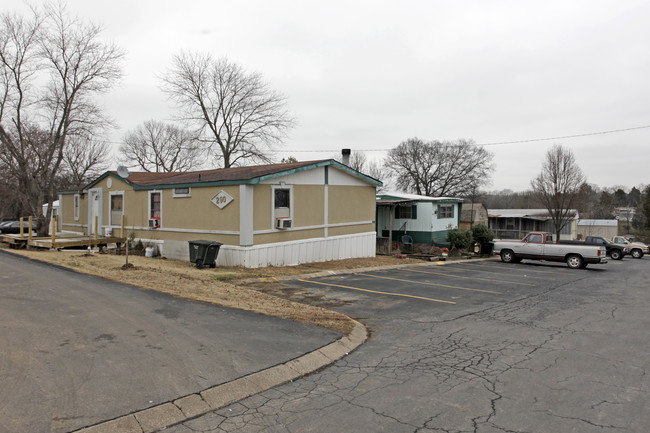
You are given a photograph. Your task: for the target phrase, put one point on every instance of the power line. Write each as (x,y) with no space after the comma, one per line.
(613,131)
(532,140)
(497,143)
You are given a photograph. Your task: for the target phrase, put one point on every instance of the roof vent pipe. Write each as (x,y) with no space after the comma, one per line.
(345,153)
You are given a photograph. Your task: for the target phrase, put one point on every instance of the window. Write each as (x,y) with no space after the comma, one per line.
(182,192)
(282,198)
(155,205)
(117,209)
(76,207)
(535,239)
(406,212)
(445,211)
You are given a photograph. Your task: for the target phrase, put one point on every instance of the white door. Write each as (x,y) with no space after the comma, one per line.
(95,212)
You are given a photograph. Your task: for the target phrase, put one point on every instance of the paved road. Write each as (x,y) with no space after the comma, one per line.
(76,350)
(474,347)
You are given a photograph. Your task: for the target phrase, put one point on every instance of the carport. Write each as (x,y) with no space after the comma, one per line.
(385,245)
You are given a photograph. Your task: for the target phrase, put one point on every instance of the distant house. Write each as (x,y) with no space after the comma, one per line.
(517,223)
(604,228)
(276,214)
(473,214)
(624,213)
(425,219)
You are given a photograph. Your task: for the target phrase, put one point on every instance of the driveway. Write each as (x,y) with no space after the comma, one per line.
(471,347)
(76,350)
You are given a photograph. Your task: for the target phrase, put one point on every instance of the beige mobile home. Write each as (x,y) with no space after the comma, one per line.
(277,214)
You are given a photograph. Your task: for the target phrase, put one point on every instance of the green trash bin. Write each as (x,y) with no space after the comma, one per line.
(204,253)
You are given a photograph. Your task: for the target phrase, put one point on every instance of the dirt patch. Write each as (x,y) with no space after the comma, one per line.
(246,289)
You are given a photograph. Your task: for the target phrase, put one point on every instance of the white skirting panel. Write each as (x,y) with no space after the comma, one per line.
(284,253)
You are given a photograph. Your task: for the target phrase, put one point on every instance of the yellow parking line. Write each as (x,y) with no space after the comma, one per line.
(432,284)
(467,277)
(377,292)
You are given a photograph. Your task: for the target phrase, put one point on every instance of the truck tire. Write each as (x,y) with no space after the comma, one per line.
(508,256)
(637,253)
(616,255)
(574,261)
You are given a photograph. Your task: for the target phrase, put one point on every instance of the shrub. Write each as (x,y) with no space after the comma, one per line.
(482,234)
(460,239)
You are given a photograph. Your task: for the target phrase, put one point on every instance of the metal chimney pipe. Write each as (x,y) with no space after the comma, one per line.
(345,153)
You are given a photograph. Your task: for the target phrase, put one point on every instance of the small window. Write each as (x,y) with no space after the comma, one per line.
(76,207)
(282,198)
(535,239)
(182,192)
(445,211)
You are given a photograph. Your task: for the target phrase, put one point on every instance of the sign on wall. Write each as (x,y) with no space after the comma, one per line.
(222,199)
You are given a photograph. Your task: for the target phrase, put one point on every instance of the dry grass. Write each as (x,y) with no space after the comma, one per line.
(221,286)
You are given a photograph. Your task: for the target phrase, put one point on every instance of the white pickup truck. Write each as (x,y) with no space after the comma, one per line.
(540,246)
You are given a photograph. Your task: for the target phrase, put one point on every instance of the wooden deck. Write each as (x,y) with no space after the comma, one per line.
(59,241)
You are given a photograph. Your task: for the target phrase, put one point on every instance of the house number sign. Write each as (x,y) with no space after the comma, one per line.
(222,199)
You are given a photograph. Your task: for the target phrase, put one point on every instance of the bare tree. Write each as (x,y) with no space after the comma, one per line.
(438,169)
(359,162)
(83,159)
(236,112)
(558,185)
(52,65)
(160,147)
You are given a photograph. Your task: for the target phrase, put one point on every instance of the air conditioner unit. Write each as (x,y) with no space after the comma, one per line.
(154,223)
(283,223)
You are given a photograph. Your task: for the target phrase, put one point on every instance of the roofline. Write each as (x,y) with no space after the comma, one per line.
(252,181)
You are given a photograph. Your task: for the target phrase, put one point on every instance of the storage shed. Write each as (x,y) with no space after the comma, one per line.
(597,227)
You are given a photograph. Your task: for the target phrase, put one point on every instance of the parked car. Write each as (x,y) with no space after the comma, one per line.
(540,246)
(637,249)
(615,251)
(13,227)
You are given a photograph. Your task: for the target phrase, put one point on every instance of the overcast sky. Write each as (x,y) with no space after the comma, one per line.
(367,75)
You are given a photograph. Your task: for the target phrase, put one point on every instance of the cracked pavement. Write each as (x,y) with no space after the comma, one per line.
(567,353)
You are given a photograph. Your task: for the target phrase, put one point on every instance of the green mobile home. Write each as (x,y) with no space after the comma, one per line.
(425,219)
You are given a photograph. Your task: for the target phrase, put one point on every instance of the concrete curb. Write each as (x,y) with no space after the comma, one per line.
(191,406)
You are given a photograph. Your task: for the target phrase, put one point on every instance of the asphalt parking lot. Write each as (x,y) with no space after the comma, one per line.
(478,346)
(77,350)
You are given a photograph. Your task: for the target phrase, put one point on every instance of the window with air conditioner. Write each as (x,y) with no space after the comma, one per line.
(282,207)
(155,209)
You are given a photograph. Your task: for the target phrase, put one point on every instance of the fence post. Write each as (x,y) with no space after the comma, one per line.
(53,231)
